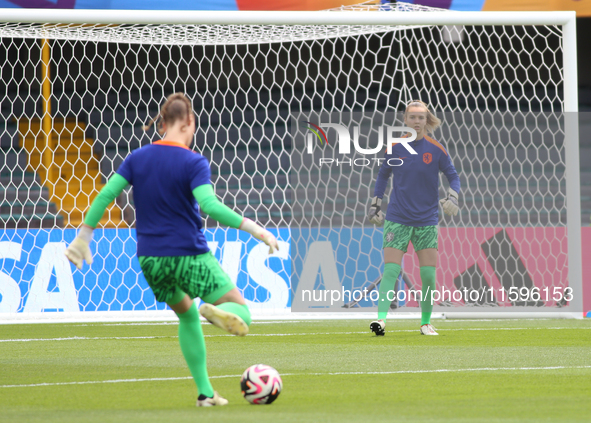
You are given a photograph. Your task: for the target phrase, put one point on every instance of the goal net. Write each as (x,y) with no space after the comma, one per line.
(76,93)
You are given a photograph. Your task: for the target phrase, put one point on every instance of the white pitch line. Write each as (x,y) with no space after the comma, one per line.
(126,324)
(101,338)
(176,323)
(164,379)
(461,329)
(278,322)
(482,369)
(86,338)
(94,382)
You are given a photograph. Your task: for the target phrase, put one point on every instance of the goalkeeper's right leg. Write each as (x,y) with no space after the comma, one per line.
(227,317)
(396,239)
(391,272)
(224,305)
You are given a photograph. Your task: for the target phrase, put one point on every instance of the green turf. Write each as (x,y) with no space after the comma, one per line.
(317,360)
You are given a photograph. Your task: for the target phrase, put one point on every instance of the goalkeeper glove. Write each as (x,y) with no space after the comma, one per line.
(375,214)
(79,249)
(259,233)
(450,203)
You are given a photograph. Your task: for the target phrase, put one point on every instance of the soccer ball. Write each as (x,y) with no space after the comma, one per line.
(260,384)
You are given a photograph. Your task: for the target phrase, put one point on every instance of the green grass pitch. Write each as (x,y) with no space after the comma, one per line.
(333,371)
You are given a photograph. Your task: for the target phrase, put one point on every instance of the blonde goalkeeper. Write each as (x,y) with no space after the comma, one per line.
(413,214)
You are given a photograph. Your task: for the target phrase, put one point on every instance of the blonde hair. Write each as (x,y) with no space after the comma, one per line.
(433,121)
(176,107)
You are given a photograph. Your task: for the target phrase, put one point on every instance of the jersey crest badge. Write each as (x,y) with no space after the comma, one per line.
(390,237)
(427,158)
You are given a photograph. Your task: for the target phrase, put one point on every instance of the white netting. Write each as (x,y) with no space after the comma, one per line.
(206,35)
(245,81)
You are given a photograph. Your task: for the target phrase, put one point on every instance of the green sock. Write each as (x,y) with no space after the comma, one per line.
(193,348)
(241,311)
(428,279)
(391,272)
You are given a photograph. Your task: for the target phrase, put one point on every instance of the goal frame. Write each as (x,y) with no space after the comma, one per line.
(565,19)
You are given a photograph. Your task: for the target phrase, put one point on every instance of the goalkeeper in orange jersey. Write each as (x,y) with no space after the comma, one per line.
(413,214)
(171,185)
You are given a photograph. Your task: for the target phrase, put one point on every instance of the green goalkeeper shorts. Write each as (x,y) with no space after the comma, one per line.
(198,276)
(398,236)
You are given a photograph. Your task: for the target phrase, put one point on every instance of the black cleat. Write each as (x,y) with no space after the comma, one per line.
(378,327)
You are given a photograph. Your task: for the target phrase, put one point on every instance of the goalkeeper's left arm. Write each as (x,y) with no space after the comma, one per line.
(375,214)
(79,249)
(210,205)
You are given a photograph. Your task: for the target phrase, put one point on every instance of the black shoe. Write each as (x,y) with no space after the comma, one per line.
(378,327)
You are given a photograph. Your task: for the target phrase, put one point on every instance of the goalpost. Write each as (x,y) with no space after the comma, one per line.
(80,85)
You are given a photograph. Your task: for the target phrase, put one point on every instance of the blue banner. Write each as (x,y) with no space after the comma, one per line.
(332,267)
(35,276)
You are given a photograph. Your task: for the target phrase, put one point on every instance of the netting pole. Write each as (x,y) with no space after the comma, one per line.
(46,96)
(573,188)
